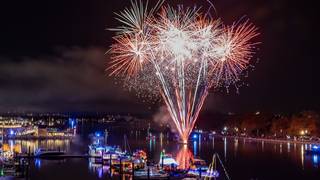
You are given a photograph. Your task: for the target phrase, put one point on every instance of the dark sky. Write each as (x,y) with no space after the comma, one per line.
(52,57)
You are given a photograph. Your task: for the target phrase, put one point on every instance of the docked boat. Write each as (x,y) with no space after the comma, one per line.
(198,168)
(199,164)
(167,162)
(139,159)
(96,151)
(48,153)
(150,173)
(8,169)
(209,172)
(6,155)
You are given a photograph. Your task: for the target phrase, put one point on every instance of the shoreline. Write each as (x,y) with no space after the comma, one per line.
(39,138)
(272,140)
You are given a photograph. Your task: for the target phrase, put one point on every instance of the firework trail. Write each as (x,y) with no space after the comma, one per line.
(180,54)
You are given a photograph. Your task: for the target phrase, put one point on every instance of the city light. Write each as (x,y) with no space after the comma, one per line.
(11,132)
(97,134)
(304,132)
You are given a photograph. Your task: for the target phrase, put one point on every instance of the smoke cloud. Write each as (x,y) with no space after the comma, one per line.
(162,117)
(70,80)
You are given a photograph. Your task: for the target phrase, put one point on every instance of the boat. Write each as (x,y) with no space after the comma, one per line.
(209,172)
(198,168)
(106,154)
(167,162)
(139,159)
(114,156)
(6,155)
(48,153)
(140,154)
(199,164)
(150,173)
(96,151)
(8,168)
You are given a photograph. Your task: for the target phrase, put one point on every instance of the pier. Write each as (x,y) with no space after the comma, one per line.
(67,156)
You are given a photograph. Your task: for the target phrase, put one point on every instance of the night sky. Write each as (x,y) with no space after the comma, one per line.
(52,57)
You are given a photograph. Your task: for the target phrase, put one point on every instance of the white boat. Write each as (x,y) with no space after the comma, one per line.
(114,156)
(209,172)
(153,174)
(167,161)
(99,151)
(47,152)
(96,151)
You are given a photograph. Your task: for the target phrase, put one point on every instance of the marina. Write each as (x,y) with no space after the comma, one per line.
(159,89)
(149,159)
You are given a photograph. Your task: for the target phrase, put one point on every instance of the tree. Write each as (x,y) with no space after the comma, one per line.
(304,123)
(279,126)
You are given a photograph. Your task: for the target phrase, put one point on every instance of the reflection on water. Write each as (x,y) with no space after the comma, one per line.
(37,163)
(236,144)
(195,148)
(237,154)
(199,143)
(302,156)
(161,139)
(225,148)
(184,157)
(24,146)
(213,143)
(100,169)
(315,161)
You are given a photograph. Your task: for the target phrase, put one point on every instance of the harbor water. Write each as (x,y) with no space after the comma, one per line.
(243,158)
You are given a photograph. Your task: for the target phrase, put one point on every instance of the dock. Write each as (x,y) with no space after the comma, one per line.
(66,156)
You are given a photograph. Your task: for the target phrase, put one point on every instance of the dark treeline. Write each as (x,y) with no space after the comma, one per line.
(305,123)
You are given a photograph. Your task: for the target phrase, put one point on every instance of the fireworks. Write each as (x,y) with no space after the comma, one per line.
(179,54)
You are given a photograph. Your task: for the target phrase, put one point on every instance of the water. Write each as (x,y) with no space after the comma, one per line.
(243,159)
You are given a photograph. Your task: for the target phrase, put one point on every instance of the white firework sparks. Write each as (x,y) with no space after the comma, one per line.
(179,54)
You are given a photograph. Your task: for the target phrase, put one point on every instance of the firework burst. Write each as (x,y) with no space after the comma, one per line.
(180,54)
